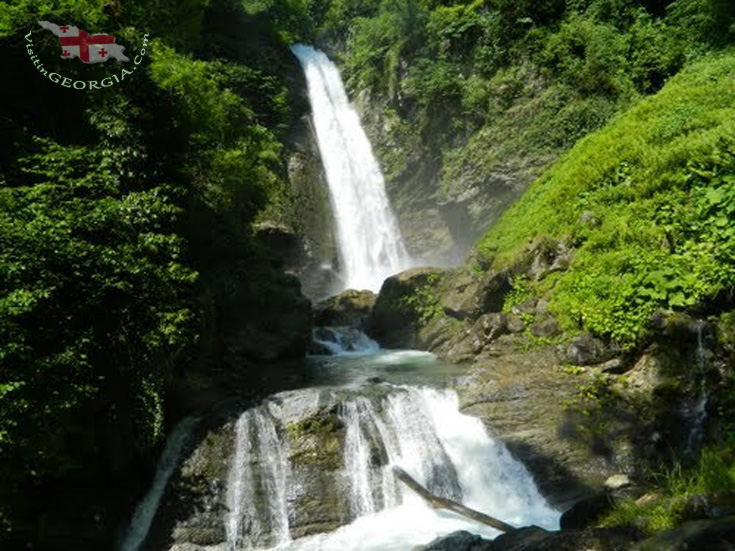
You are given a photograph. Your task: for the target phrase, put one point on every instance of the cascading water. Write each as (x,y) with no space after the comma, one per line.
(257,443)
(370,243)
(697,412)
(419,429)
(345,340)
(167,465)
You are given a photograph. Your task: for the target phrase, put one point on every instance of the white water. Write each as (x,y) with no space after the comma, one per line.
(143,516)
(370,243)
(450,453)
(257,441)
(418,429)
(345,341)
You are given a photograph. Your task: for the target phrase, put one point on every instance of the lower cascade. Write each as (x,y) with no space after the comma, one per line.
(312,469)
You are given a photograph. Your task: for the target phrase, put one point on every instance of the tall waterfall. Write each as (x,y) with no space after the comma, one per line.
(418,429)
(370,243)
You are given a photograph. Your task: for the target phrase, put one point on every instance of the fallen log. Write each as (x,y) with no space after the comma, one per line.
(437,502)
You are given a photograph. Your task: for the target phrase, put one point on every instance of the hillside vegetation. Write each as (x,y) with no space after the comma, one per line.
(126,242)
(647,203)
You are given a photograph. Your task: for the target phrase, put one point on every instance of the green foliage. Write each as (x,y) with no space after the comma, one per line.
(713,473)
(95,294)
(125,221)
(425,301)
(521,290)
(647,202)
(20,15)
(587,55)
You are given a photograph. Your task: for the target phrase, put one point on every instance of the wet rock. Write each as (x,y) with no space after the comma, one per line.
(350,308)
(587,511)
(712,535)
(310,212)
(318,349)
(457,541)
(586,350)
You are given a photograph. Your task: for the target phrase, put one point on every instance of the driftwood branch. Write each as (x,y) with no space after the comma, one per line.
(437,502)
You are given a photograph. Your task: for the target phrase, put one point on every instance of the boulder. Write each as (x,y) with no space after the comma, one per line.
(397,316)
(348,309)
(586,511)
(533,538)
(546,255)
(489,328)
(546,328)
(587,350)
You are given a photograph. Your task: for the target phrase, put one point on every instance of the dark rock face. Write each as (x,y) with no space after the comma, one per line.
(521,399)
(433,309)
(583,513)
(443,207)
(283,331)
(709,535)
(309,213)
(348,309)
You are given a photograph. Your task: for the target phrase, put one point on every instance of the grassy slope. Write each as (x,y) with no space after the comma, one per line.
(647,202)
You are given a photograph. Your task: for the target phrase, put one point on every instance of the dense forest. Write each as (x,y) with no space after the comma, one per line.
(129,216)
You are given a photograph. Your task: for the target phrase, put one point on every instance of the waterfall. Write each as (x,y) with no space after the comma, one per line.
(419,429)
(697,412)
(370,244)
(169,461)
(256,498)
